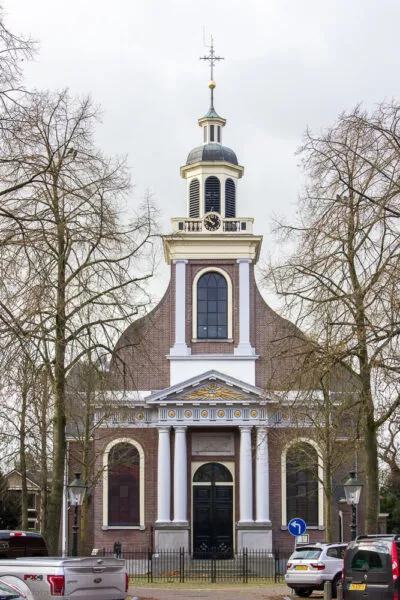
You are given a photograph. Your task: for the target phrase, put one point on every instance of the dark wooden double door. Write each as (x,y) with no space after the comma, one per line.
(213,520)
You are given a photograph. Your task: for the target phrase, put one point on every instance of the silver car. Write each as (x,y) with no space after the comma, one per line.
(310,566)
(9,592)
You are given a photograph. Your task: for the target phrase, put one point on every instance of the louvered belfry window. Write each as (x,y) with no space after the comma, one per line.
(212,307)
(194,199)
(212,195)
(230,199)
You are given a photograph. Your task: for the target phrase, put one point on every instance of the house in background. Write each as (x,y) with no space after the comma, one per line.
(14,486)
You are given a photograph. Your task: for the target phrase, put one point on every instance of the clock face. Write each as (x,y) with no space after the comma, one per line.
(212,221)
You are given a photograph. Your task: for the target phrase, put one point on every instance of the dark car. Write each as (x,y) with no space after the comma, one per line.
(371,568)
(17,544)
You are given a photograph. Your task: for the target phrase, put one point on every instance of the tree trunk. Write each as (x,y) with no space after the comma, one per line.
(371,469)
(327,456)
(59,446)
(85,458)
(22,450)
(43,452)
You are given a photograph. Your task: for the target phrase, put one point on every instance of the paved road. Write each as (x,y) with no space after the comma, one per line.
(277,592)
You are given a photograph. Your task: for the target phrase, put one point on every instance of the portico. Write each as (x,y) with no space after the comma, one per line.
(218,416)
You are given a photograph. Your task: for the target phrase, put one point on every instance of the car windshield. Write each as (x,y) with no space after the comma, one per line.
(307,553)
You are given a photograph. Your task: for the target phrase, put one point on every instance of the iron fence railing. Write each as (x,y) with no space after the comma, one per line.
(180,566)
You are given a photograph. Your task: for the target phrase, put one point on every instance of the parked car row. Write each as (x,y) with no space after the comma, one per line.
(368,568)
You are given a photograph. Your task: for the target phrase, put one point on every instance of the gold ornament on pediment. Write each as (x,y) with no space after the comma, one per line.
(139,416)
(237,413)
(221,413)
(204,413)
(188,413)
(254,413)
(171,413)
(212,391)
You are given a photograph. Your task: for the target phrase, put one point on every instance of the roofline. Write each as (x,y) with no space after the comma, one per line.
(20,474)
(211,163)
(209,118)
(197,379)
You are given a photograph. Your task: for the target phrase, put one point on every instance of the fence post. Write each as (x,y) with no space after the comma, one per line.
(245,565)
(213,568)
(149,566)
(181,565)
(277,576)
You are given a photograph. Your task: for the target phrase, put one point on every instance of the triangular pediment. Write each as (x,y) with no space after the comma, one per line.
(211,386)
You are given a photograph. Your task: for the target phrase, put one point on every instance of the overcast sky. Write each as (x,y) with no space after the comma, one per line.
(288,64)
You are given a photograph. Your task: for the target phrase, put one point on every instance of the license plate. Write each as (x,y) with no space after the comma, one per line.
(357,586)
(301,567)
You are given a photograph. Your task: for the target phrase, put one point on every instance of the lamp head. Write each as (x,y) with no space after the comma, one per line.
(352,489)
(77,490)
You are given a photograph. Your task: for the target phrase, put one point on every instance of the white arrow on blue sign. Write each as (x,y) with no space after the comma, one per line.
(297,526)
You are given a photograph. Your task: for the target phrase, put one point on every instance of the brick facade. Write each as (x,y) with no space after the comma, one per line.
(140,363)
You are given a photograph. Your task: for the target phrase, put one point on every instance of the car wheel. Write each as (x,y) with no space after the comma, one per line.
(303,592)
(334,585)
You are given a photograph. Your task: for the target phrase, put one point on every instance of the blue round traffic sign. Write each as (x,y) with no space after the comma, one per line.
(297,526)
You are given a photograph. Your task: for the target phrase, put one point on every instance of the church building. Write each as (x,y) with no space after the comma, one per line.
(198,450)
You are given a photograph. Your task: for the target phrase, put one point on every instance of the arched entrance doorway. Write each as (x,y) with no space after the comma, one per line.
(213,510)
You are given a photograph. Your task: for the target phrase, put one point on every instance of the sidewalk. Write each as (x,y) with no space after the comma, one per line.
(208,592)
(270,592)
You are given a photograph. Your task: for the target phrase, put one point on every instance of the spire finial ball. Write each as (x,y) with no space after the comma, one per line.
(212,84)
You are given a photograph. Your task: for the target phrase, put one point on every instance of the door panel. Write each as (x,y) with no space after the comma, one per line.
(213,519)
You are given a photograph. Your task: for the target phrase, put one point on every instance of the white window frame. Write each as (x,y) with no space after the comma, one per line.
(229,304)
(295,442)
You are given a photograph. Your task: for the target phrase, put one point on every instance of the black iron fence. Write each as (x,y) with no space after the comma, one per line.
(180,566)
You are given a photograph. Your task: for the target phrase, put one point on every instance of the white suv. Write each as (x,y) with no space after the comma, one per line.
(310,566)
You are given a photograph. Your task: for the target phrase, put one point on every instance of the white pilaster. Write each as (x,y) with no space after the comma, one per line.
(180,476)
(244,347)
(246,476)
(262,476)
(164,476)
(180,348)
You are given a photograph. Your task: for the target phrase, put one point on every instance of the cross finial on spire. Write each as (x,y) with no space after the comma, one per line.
(212,59)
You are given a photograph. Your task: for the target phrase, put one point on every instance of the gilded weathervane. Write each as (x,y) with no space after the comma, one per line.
(211,58)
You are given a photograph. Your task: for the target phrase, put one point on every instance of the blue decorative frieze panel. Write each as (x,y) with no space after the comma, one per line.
(216,415)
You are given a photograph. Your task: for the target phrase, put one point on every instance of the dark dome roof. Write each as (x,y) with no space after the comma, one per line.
(210,153)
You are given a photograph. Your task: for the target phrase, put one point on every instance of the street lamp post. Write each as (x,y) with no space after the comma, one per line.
(352,490)
(76,490)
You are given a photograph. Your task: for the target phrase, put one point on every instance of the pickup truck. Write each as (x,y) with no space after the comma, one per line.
(25,565)
(89,578)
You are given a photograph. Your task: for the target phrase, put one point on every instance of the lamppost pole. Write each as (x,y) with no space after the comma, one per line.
(353,525)
(76,491)
(75,529)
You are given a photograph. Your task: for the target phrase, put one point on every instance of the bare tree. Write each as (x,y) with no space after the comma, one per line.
(75,265)
(321,402)
(14,50)
(346,262)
